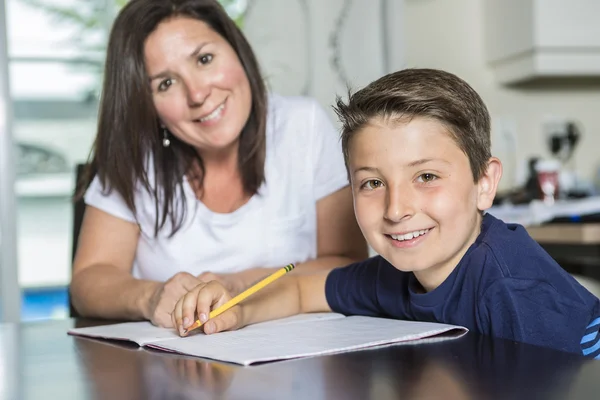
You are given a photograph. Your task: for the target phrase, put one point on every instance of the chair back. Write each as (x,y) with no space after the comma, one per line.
(78,212)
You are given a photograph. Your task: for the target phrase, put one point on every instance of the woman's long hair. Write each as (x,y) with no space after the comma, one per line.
(129,131)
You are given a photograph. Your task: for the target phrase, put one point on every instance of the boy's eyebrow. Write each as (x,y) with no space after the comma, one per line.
(422,161)
(411,164)
(193,54)
(366,169)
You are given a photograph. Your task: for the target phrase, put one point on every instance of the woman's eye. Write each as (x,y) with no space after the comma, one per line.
(164,85)
(372,184)
(427,178)
(205,58)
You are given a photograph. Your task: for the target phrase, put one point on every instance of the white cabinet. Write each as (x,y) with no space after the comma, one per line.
(534,39)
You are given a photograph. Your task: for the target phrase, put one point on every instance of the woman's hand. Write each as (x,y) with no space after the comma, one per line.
(165,297)
(235,283)
(199,302)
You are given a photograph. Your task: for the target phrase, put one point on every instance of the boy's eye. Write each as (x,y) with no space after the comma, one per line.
(427,178)
(164,85)
(372,184)
(205,58)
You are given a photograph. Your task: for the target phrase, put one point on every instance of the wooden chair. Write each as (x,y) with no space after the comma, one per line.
(78,212)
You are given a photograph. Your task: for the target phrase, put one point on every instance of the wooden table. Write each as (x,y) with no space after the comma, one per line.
(40,361)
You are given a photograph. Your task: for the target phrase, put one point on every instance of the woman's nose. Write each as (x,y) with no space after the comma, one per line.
(197,92)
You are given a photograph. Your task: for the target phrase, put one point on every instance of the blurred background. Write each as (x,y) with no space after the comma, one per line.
(536,63)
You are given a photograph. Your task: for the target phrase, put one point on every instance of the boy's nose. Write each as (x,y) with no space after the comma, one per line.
(399,205)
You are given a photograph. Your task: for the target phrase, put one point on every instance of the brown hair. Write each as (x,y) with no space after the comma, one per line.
(423,93)
(128,127)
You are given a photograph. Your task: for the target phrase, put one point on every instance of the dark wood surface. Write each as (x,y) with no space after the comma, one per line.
(40,361)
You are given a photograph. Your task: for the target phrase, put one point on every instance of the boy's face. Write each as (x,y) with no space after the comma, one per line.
(414,195)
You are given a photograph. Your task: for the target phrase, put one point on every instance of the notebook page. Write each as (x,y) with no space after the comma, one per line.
(279,342)
(144,333)
(299,318)
(137,332)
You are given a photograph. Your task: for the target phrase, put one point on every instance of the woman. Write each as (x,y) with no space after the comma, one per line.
(200,175)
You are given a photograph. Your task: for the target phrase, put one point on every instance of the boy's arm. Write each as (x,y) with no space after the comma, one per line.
(295,294)
(290,295)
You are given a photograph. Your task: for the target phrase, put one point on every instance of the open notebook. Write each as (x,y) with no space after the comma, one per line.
(298,336)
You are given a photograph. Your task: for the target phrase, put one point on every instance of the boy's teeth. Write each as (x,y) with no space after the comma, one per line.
(409,235)
(213,114)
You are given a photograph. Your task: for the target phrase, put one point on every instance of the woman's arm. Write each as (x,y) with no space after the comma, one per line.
(102,285)
(339,239)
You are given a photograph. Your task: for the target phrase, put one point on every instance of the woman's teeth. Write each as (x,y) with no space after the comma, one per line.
(409,235)
(214,114)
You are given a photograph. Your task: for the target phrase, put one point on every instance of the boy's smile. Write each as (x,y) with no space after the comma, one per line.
(415,198)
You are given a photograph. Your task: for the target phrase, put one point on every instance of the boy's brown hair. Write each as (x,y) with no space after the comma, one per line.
(428,93)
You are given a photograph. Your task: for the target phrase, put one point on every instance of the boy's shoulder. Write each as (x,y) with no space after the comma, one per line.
(513,262)
(512,251)
(523,294)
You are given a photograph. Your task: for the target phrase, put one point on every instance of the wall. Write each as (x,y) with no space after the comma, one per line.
(319,48)
(449,35)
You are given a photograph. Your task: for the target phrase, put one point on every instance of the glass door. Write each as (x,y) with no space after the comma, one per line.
(9,287)
(55,58)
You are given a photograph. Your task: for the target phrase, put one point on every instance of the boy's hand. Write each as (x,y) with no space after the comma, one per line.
(165,295)
(199,302)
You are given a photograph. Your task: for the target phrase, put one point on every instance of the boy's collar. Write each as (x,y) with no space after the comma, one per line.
(487,222)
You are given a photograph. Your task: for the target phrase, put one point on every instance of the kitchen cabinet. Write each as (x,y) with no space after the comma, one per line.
(527,40)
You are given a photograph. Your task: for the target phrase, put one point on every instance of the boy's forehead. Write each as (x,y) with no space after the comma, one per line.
(403,138)
(401,129)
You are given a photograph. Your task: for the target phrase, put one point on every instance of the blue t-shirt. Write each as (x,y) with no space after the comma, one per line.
(505,286)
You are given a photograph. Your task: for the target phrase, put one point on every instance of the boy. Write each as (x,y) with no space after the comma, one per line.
(417,149)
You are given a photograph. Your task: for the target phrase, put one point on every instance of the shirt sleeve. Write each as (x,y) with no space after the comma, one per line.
(328,161)
(111,203)
(352,290)
(590,342)
(534,312)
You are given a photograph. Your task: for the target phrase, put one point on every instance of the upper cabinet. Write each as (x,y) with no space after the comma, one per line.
(535,39)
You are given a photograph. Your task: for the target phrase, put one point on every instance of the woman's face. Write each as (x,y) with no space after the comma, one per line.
(199,86)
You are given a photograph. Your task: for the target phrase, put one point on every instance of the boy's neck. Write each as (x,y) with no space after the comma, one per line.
(434,276)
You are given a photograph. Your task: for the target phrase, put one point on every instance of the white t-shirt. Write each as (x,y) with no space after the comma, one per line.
(277,226)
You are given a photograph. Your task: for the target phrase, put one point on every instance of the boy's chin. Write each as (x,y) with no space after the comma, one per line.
(407,265)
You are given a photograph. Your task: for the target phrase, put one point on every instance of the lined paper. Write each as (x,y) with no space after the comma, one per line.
(300,336)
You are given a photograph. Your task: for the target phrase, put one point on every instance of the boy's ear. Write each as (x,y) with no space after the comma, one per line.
(488,184)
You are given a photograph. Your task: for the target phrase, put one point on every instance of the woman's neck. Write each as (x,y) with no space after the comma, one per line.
(222,188)
(222,160)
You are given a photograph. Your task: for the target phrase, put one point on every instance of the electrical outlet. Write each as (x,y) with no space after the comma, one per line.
(560,135)
(554,128)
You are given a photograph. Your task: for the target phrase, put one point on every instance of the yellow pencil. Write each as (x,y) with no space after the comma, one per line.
(248,292)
